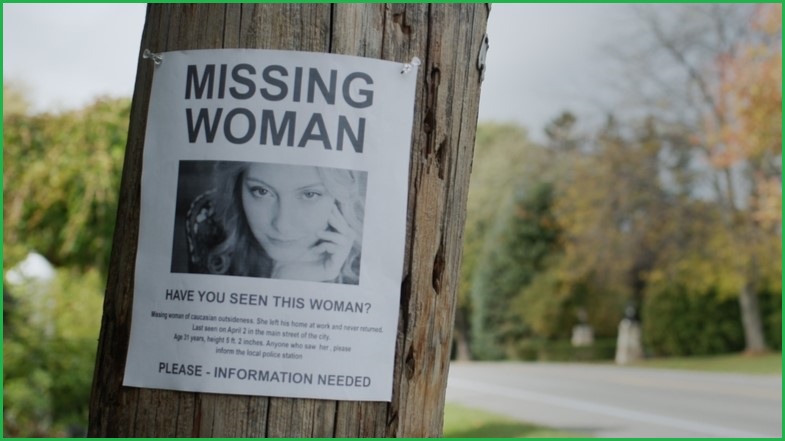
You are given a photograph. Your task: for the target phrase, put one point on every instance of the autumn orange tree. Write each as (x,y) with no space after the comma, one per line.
(746,133)
(747,129)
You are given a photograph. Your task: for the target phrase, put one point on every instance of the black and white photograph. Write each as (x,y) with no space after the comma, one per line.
(278,221)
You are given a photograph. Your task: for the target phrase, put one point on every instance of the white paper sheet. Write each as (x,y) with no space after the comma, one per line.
(272,228)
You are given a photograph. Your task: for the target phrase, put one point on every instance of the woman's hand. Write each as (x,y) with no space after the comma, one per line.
(324,261)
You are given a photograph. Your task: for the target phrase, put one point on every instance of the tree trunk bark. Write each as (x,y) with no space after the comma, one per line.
(448,40)
(754,338)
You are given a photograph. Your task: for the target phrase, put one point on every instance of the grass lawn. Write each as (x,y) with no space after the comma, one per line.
(463,422)
(738,363)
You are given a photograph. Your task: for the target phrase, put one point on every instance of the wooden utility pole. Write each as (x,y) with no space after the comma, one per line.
(450,41)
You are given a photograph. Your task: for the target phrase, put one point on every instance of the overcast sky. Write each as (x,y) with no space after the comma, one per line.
(543,58)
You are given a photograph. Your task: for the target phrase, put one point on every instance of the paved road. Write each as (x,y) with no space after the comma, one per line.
(612,401)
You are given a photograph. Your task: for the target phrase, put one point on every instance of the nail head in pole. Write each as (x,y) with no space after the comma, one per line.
(407,67)
(150,55)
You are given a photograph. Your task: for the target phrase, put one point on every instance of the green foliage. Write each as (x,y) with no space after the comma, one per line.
(553,303)
(548,305)
(501,153)
(771,309)
(502,156)
(61,180)
(49,341)
(514,250)
(677,323)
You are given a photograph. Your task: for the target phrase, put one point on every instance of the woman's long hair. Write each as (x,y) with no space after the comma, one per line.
(241,254)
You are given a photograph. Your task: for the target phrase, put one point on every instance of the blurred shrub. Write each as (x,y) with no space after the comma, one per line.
(678,323)
(49,343)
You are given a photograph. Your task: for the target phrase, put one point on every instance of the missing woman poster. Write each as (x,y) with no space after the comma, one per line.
(272,225)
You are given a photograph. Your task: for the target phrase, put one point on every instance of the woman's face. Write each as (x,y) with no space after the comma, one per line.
(285,208)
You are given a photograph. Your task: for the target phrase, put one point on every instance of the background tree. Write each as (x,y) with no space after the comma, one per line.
(509,234)
(683,70)
(501,155)
(606,206)
(513,252)
(60,183)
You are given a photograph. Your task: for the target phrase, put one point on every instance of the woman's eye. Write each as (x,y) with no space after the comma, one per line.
(311,195)
(258,192)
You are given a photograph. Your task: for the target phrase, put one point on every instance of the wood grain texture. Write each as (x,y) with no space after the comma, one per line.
(447,38)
